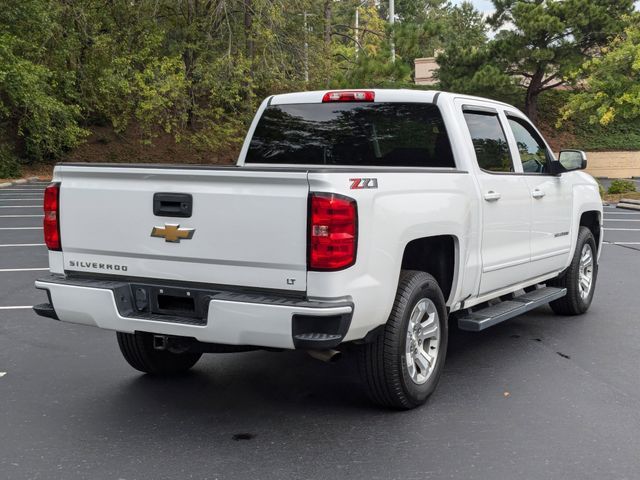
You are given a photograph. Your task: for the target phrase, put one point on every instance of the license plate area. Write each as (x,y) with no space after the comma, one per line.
(175,304)
(172,302)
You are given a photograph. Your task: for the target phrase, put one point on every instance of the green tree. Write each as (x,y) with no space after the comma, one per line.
(466,62)
(549,39)
(611,88)
(425,29)
(438,27)
(37,114)
(196,69)
(368,64)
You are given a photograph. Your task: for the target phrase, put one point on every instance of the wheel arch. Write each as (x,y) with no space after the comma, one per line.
(437,255)
(591,220)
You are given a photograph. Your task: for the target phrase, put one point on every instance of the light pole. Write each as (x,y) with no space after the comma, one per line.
(357,28)
(392,14)
(306,49)
(306,45)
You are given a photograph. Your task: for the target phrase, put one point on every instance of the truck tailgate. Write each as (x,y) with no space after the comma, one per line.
(249,227)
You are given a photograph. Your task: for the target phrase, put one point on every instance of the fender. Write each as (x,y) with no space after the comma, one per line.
(586,198)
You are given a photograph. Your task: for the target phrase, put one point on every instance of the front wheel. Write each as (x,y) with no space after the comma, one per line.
(579,279)
(402,366)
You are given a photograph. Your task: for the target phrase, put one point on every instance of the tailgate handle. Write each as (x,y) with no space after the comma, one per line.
(172,205)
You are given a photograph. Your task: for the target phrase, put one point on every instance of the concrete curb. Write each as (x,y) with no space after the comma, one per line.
(20,181)
(631,201)
(628,206)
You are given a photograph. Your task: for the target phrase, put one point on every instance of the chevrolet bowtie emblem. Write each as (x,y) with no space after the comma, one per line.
(173,233)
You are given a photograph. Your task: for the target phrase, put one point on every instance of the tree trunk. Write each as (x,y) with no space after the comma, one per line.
(533,91)
(189,59)
(531,105)
(248,28)
(328,13)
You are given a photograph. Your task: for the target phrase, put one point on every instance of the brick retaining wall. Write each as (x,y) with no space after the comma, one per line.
(614,164)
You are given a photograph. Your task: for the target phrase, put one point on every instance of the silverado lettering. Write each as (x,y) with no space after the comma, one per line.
(97,265)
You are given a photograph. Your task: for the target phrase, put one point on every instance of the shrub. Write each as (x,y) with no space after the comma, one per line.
(35,101)
(601,190)
(622,186)
(9,163)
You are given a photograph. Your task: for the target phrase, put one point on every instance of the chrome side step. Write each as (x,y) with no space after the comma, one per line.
(494,314)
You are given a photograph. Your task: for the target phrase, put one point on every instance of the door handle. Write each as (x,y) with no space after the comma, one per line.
(492,196)
(537,193)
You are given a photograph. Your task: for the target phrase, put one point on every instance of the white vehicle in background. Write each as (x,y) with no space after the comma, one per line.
(360,220)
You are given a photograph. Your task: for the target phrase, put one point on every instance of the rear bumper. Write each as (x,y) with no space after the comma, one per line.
(227,317)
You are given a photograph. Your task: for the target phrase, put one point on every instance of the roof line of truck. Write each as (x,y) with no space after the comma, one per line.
(264,167)
(436,94)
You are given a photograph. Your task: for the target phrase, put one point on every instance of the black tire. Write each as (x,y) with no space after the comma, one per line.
(383,362)
(137,349)
(573,303)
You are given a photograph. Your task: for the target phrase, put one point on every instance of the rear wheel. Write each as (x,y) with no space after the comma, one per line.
(137,349)
(402,366)
(579,279)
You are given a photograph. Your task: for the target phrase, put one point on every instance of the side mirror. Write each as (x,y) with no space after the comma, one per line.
(572,160)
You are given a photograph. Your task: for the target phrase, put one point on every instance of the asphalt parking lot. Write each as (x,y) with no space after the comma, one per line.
(539,396)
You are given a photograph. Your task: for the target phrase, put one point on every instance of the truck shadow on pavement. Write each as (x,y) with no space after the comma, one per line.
(245,396)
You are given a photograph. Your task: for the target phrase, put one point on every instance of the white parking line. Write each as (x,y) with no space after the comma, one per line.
(624,229)
(15,199)
(17,307)
(621,213)
(20,216)
(21,190)
(23,245)
(21,228)
(619,220)
(22,269)
(622,243)
(39,205)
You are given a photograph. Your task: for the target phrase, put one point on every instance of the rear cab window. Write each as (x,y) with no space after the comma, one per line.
(352,134)
(489,141)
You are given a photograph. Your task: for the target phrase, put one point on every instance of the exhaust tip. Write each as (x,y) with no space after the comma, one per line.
(327,356)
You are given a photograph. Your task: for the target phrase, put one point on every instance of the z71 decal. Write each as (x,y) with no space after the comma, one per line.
(360,183)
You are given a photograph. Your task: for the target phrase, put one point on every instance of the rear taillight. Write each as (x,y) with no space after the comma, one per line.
(333,236)
(349,96)
(52,217)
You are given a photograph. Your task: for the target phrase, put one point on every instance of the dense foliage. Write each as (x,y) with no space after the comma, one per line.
(196,69)
(579,130)
(9,163)
(612,84)
(191,68)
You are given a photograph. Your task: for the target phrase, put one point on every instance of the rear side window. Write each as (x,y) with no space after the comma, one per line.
(489,141)
(358,134)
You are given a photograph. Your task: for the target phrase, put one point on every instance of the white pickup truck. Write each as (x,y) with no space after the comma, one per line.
(355,220)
